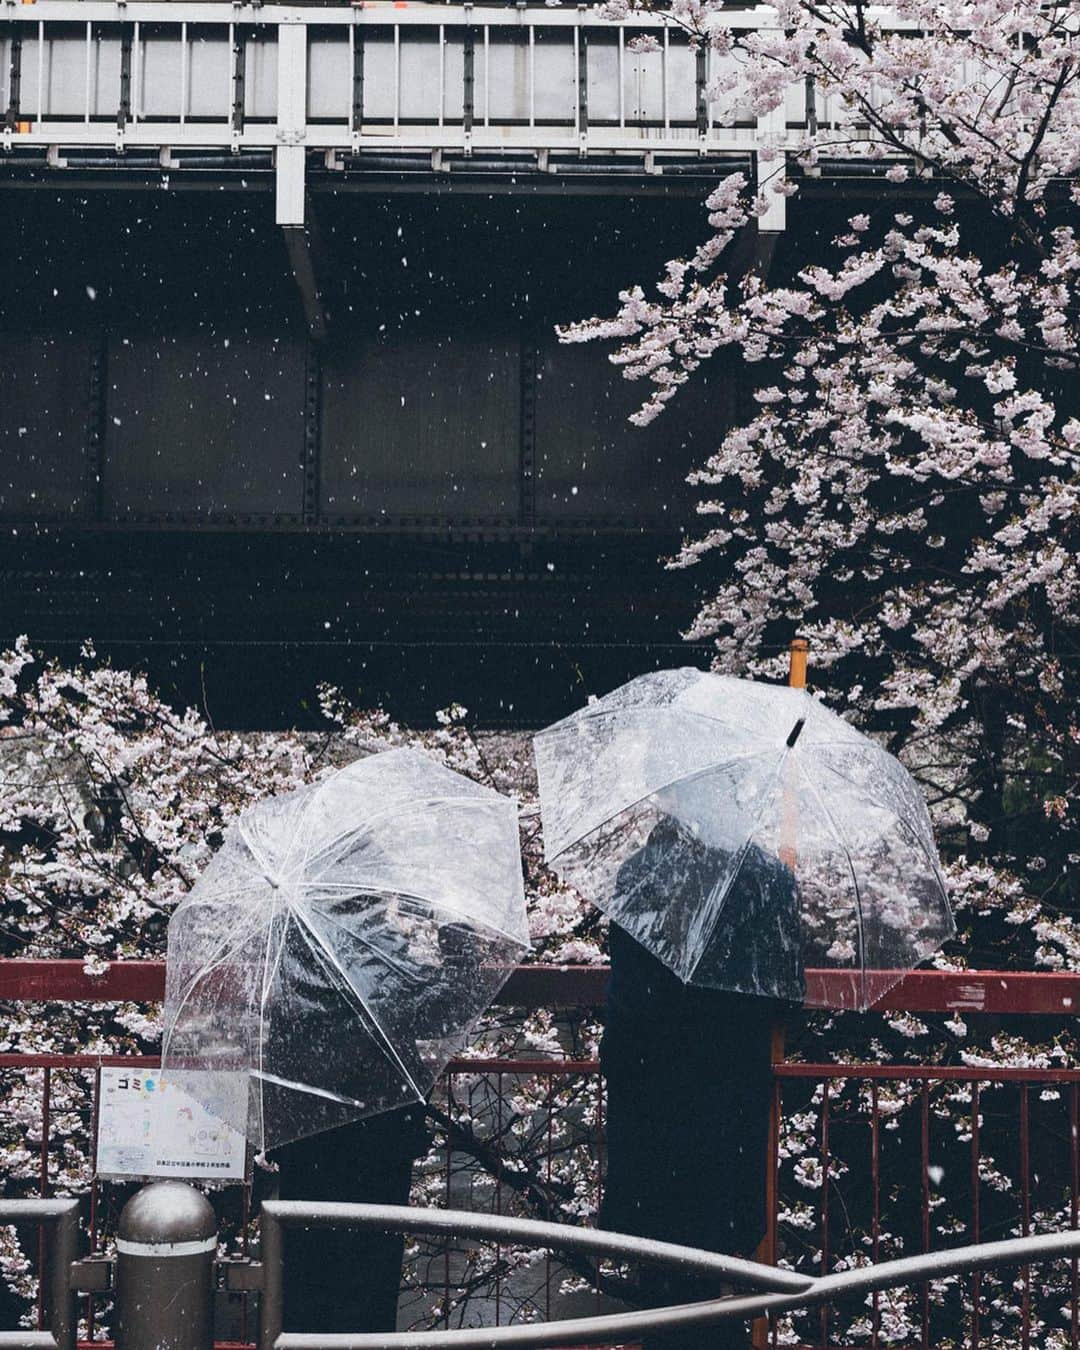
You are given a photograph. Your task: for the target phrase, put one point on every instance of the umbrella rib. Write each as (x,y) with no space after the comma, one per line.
(227,945)
(725,890)
(324,953)
(255,867)
(900,820)
(905,824)
(255,848)
(356,889)
(417,801)
(856,738)
(308,1088)
(660,787)
(269,970)
(854,882)
(242,890)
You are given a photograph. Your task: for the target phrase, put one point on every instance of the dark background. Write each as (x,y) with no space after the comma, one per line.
(437,502)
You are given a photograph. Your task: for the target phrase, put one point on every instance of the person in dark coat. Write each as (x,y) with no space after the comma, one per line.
(688,1068)
(341,1279)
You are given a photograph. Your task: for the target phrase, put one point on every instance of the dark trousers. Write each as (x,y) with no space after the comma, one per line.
(665,1288)
(664,1181)
(688,1094)
(348,1279)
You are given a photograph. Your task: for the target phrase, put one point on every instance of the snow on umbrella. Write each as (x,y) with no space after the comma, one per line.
(743,833)
(341,945)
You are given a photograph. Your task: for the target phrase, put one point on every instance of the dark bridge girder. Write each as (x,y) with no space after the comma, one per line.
(433,501)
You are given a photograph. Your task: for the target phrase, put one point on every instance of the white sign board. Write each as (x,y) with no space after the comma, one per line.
(147,1128)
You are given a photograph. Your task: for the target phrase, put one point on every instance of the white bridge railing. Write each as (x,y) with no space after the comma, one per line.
(329,84)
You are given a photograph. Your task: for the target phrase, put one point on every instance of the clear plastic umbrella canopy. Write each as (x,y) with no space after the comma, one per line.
(744,834)
(341,945)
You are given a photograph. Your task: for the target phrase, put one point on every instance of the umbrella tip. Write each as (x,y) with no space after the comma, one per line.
(795,732)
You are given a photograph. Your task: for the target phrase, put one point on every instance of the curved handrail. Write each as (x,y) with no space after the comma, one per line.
(613,1328)
(536,1233)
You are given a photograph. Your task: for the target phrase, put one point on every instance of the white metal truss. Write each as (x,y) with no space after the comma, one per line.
(385,76)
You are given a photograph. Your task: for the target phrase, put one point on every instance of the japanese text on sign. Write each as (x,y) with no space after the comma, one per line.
(150,1128)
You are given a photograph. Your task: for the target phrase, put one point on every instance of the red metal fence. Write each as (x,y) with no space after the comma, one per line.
(992,1198)
(870,1163)
(989,991)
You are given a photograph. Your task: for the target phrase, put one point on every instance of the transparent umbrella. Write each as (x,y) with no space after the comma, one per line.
(743,833)
(341,945)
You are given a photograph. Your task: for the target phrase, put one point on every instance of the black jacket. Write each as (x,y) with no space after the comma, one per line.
(688,1068)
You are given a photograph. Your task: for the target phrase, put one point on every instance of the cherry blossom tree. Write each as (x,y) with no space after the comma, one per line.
(903,487)
(112,802)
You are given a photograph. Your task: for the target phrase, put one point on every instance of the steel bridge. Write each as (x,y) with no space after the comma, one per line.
(531,89)
(277,351)
(524,92)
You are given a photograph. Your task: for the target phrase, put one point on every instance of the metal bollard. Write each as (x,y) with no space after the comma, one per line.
(165,1248)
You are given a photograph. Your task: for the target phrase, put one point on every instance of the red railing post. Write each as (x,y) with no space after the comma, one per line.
(768,1248)
(1025,1211)
(43,1188)
(1074,1209)
(976,1181)
(875,1220)
(924,1152)
(825,1207)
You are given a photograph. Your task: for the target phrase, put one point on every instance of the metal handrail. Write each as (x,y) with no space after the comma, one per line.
(63,1214)
(536,1232)
(614,1328)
